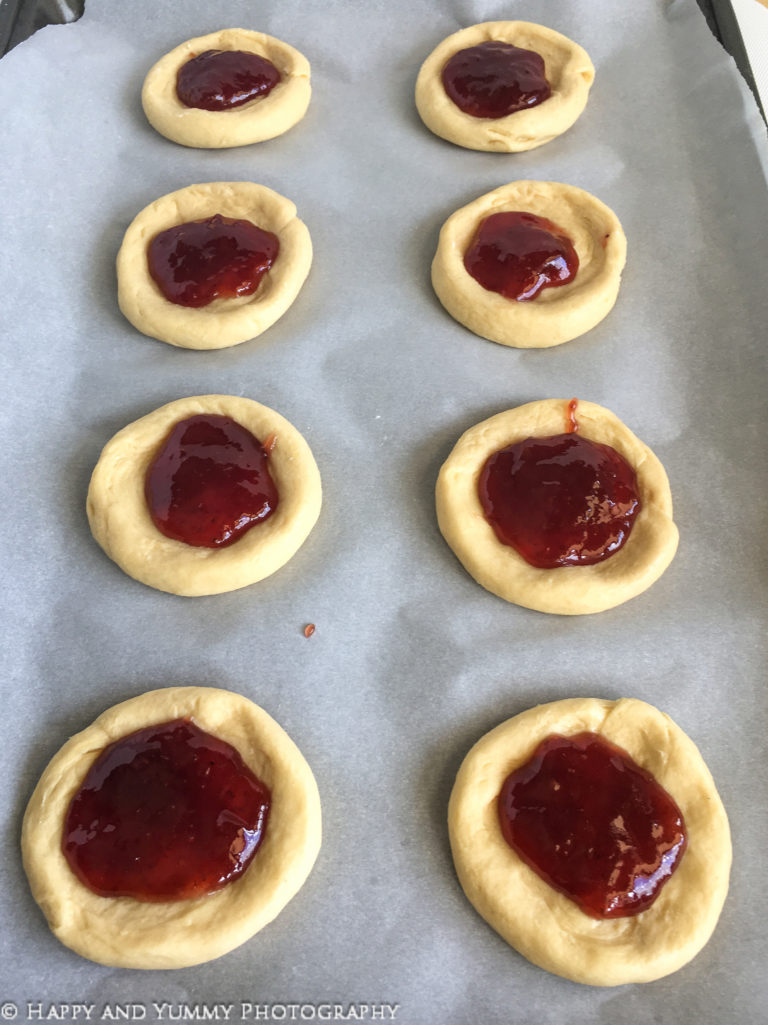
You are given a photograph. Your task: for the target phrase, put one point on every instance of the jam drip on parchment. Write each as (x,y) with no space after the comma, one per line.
(560,501)
(517,254)
(216,258)
(494,79)
(593,824)
(223,79)
(166,813)
(209,482)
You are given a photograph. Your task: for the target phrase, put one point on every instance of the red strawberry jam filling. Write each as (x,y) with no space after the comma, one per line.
(215,258)
(223,79)
(593,824)
(166,813)
(518,254)
(560,501)
(494,79)
(209,482)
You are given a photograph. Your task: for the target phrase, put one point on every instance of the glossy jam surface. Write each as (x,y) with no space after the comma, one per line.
(560,501)
(494,79)
(223,79)
(217,258)
(517,254)
(209,482)
(593,824)
(167,813)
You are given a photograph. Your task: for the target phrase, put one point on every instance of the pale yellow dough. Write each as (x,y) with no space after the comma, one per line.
(567,590)
(120,520)
(557,314)
(133,934)
(260,119)
(223,322)
(542,924)
(568,69)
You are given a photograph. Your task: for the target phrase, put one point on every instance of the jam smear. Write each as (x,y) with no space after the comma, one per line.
(209,482)
(223,79)
(560,501)
(494,79)
(166,813)
(571,423)
(593,824)
(216,258)
(518,254)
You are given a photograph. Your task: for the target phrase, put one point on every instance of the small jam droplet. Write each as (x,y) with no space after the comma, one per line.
(167,813)
(209,482)
(560,501)
(309,629)
(494,79)
(216,258)
(517,254)
(593,824)
(223,79)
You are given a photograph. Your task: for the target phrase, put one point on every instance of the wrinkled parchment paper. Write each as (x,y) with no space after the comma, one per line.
(411,661)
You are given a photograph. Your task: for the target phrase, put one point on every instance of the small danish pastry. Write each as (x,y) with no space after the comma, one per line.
(505,86)
(558,507)
(228,88)
(531,264)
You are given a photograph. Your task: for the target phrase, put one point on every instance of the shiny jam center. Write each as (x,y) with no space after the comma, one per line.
(593,825)
(216,258)
(560,501)
(223,79)
(517,254)
(494,79)
(166,813)
(209,483)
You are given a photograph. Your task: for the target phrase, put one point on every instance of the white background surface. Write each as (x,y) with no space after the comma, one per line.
(412,661)
(752,17)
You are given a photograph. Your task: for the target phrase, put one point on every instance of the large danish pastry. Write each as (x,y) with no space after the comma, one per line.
(153,932)
(540,921)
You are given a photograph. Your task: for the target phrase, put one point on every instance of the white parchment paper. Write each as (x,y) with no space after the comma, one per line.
(411,661)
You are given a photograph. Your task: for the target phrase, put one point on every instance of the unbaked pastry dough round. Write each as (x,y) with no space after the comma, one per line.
(223,322)
(567,590)
(557,314)
(568,69)
(260,119)
(121,523)
(544,925)
(135,934)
